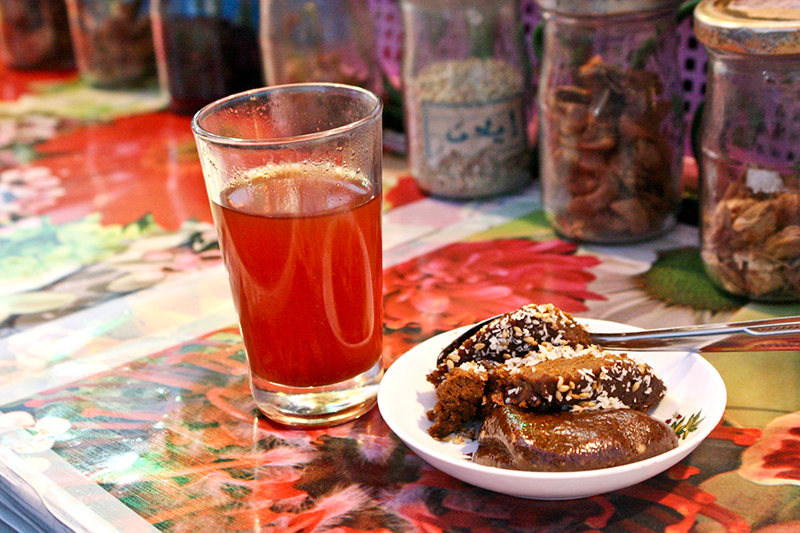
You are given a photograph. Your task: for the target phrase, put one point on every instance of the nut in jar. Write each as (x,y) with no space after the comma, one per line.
(751,237)
(750,172)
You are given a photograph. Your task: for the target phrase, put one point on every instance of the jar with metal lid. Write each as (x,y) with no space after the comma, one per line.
(465,85)
(750,147)
(34,34)
(611,115)
(319,40)
(113,42)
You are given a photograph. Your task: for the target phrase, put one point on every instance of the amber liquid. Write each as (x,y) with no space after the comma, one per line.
(303,255)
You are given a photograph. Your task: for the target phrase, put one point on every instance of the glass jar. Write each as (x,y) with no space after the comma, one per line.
(611,116)
(465,84)
(206,50)
(113,41)
(35,34)
(750,154)
(319,41)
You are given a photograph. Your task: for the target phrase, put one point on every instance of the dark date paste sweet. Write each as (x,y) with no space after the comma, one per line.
(517,439)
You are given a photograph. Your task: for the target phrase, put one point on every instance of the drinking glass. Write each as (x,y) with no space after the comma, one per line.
(293,174)
(113,42)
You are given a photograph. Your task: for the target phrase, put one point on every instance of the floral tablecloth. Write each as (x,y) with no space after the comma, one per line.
(124,403)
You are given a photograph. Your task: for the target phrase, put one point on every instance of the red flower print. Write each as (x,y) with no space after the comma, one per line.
(466,282)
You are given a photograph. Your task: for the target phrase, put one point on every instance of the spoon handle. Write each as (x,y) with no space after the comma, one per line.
(773,334)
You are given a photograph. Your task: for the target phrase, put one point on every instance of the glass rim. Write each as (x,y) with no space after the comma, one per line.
(373,114)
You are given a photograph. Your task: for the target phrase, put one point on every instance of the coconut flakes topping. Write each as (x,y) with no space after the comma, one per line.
(472,366)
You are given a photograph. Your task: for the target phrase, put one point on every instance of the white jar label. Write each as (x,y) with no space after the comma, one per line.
(465,129)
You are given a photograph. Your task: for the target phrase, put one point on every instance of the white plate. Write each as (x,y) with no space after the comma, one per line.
(405,396)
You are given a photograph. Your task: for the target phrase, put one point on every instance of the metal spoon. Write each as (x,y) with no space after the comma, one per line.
(772,334)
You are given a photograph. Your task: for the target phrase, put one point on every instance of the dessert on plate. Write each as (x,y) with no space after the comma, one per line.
(534,371)
(572,440)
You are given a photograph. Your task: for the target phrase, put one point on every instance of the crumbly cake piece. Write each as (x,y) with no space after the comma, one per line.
(540,359)
(459,398)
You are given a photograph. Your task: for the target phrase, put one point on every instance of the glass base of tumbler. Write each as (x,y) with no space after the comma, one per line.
(327,405)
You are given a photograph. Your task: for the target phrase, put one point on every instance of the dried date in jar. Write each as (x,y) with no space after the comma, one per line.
(34,34)
(612,127)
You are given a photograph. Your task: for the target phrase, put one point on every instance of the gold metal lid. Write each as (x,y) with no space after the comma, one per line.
(749,26)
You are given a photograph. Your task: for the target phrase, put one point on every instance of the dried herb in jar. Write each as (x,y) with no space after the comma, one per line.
(465,89)
(466,133)
(611,117)
(113,41)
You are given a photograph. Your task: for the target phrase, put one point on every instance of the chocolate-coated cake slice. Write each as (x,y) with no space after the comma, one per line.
(517,334)
(586,378)
(459,398)
(540,359)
